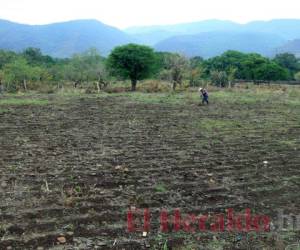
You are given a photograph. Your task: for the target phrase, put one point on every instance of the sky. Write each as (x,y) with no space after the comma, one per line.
(127,13)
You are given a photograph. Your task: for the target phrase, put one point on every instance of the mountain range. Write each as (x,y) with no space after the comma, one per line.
(62,39)
(206,38)
(290,47)
(209,44)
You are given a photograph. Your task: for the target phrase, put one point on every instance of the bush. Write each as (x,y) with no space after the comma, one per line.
(154,86)
(219,78)
(46,89)
(116,89)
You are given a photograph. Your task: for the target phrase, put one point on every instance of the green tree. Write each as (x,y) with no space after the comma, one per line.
(162,59)
(196,62)
(232,75)
(250,66)
(132,61)
(288,61)
(196,70)
(1,81)
(35,57)
(96,68)
(253,67)
(176,66)
(7,57)
(40,74)
(271,71)
(85,67)
(227,61)
(76,70)
(297,76)
(17,73)
(195,75)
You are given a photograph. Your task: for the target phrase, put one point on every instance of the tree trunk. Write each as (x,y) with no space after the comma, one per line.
(98,87)
(76,83)
(174,85)
(25,84)
(133,84)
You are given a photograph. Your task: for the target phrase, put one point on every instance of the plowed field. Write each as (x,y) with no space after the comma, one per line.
(71,168)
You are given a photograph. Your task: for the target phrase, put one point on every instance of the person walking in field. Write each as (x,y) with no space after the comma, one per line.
(204,95)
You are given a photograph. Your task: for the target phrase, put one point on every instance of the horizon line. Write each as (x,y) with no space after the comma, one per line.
(147,25)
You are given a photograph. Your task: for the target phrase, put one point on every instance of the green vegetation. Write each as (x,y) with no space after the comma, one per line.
(297,76)
(30,70)
(169,142)
(252,67)
(251,94)
(18,72)
(288,61)
(213,124)
(132,61)
(160,188)
(157,147)
(173,68)
(14,101)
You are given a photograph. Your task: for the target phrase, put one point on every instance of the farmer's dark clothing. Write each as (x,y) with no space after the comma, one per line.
(204,97)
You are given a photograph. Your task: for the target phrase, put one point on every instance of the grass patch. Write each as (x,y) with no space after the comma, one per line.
(23,101)
(70,92)
(160,98)
(290,97)
(242,97)
(2,111)
(295,102)
(289,143)
(160,188)
(210,125)
(268,96)
(286,95)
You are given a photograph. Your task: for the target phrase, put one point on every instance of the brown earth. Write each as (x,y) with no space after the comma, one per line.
(70,171)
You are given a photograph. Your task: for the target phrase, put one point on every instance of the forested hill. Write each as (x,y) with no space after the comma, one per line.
(62,39)
(210,44)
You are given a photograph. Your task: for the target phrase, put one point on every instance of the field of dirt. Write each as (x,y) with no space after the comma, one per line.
(70,170)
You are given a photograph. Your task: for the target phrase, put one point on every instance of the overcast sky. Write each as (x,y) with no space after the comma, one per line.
(125,13)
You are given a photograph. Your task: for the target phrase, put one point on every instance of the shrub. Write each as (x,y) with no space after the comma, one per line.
(219,78)
(154,86)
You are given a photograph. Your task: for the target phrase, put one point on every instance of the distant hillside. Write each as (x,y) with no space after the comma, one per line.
(209,44)
(290,47)
(62,39)
(186,28)
(153,34)
(205,38)
(152,38)
(288,29)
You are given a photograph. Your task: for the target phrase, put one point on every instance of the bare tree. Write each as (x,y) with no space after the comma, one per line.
(177,66)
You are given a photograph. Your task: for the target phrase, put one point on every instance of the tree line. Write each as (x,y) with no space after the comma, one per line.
(30,69)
